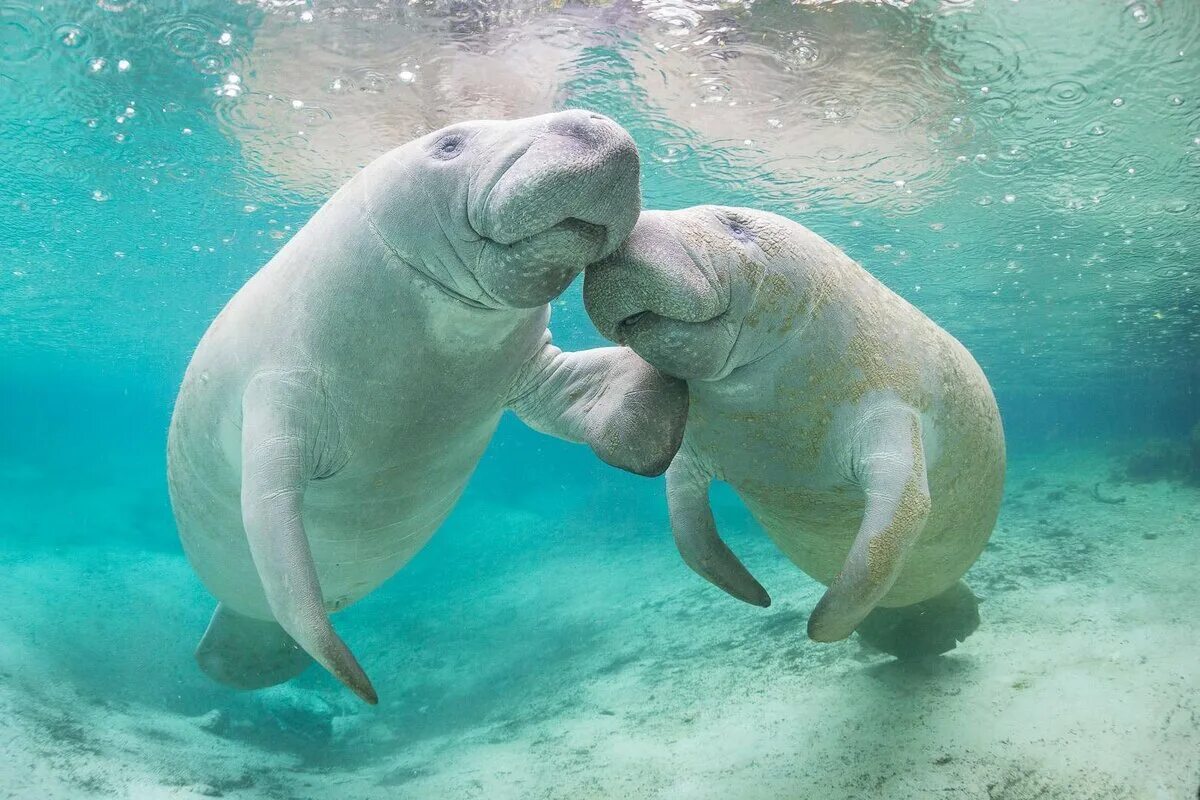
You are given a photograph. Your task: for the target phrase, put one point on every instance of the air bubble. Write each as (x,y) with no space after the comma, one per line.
(70,35)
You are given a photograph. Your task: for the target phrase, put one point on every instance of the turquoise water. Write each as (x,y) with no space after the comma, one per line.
(1026,173)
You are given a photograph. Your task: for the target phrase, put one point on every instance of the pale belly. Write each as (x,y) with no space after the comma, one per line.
(815,530)
(362,526)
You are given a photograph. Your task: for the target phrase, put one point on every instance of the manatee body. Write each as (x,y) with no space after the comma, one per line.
(863,438)
(332,414)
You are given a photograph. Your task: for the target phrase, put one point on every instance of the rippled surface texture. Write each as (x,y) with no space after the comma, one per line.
(1027,173)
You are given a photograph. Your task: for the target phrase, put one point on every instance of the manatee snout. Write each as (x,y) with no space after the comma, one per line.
(570,199)
(653,274)
(661,297)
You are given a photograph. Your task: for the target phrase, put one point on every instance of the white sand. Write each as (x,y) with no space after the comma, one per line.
(569,670)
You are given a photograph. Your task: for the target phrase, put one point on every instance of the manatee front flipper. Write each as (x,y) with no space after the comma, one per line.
(248,653)
(696,533)
(629,413)
(285,444)
(889,462)
(928,628)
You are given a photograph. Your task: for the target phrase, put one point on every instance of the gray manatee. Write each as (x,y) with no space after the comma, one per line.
(863,438)
(335,409)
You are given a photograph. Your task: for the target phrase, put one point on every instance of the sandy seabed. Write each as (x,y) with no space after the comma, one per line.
(570,668)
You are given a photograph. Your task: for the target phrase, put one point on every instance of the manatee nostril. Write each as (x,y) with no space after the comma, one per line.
(596,117)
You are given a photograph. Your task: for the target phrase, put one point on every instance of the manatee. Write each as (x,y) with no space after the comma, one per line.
(333,412)
(862,437)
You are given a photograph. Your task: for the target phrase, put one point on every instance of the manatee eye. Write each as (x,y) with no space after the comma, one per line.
(739,231)
(449,146)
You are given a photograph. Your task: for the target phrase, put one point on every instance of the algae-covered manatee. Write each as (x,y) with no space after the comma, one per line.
(863,438)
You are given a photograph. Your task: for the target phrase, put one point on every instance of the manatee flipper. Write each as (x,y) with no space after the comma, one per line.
(697,537)
(248,653)
(889,462)
(629,413)
(928,628)
(283,448)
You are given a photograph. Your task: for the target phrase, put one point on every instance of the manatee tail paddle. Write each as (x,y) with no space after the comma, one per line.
(248,653)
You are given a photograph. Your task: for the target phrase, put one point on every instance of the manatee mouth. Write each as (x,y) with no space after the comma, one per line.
(537,268)
(626,326)
(580,170)
(630,321)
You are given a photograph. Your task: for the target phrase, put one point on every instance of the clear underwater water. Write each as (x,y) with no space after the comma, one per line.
(1027,173)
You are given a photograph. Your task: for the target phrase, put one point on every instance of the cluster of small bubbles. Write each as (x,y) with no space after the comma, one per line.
(1118,101)
(70,35)
(97,64)
(232,87)
(99,195)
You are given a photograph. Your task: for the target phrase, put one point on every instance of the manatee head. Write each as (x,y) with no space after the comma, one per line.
(505,214)
(697,292)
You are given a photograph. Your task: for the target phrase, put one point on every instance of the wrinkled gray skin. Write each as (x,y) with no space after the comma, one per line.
(861,436)
(336,407)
